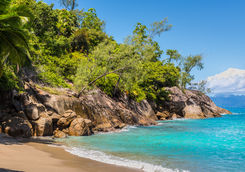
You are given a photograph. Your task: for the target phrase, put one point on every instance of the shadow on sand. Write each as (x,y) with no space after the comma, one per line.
(8,170)
(8,140)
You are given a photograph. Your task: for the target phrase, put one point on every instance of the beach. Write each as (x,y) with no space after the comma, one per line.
(36,155)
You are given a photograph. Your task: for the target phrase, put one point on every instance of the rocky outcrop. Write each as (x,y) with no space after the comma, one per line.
(43,126)
(39,113)
(189,104)
(66,119)
(59,134)
(64,114)
(80,127)
(17,126)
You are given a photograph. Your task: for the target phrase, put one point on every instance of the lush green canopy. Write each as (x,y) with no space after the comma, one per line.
(70,49)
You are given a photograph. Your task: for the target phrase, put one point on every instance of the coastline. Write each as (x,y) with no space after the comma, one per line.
(36,155)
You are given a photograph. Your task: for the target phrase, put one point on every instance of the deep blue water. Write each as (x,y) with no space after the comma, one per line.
(206,145)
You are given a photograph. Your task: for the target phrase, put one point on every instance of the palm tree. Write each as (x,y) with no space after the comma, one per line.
(13,35)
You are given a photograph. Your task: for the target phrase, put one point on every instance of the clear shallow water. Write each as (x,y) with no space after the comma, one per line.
(215,144)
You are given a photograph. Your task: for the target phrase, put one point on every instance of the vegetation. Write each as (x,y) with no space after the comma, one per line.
(70,49)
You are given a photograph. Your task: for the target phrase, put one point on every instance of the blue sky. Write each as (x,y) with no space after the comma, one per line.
(213,28)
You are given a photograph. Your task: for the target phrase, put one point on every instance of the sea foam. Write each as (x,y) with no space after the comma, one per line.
(114,160)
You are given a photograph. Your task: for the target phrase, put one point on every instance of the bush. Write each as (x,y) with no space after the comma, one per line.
(108,83)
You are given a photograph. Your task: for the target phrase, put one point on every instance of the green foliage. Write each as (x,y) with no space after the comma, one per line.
(9,80)
(173,56)
(67,23)
(57,70)
(156,77)
(13,35)
(158,27)
(108,83)
(143,39)
(69,4)
(138,75)
(85,40)
(69,47)
(90,20)
(186,65)
(201,86)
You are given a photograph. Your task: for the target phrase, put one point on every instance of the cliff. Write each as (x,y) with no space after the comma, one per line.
(60,112)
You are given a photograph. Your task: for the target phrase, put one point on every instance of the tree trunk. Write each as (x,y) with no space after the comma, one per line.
(115,89)
(73,5)
(106,73)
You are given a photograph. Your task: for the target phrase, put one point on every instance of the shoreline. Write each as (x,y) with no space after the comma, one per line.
(36,155)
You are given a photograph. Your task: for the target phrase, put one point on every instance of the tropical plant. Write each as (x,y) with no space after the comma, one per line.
(13,35)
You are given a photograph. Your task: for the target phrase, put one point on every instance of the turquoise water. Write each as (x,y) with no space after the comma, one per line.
(207,145)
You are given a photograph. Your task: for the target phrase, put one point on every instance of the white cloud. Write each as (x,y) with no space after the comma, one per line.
(229,82)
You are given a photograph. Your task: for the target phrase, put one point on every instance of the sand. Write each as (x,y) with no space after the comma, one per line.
(35,155)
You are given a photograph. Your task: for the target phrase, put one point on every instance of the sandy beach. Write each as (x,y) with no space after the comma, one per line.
(35,155)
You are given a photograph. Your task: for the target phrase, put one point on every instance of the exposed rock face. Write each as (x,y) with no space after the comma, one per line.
(107,114)
(190,104)
(43,126)
(39,113)
(59,134)
(32,111)
(165,115)
(64,114)
(17,126)
(66,119)
(80,127)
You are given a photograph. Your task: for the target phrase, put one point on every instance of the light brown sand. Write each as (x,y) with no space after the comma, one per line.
(34,155)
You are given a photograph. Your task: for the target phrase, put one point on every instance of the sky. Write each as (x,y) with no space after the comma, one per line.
(229,82)
(212,28)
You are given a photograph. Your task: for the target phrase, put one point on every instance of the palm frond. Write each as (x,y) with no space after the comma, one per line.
(4,5)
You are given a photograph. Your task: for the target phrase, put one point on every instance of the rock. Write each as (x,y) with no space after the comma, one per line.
(59,134)
(31,111)
(193,112)
(18,127)
(223,111)
(55,117)
(66,119)
(118,124)
(4,116)
(66,130)
(174,116)
(103,127)
(43,126)
(190,104)
(80,127)
(163,115)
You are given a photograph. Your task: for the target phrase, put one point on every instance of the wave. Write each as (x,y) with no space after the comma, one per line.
(114,160)
(231,114)
(127,128)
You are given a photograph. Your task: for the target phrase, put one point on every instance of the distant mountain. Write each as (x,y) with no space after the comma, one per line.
(229,101)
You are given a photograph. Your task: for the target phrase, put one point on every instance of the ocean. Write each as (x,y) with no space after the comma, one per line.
(204,145)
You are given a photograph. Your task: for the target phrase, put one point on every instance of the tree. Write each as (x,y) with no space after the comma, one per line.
(90,20)
(143,39)
(173,56)
(201,86)
(157,76)
(69,4)
(185,64)
(14,49)
(189,63)
(132,67)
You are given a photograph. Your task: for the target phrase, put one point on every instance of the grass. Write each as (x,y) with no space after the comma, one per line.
(50,90)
